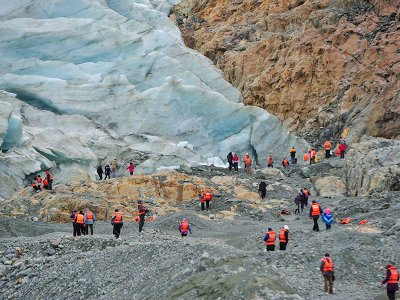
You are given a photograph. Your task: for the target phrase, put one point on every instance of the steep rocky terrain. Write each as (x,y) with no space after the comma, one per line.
(224,257)
(322,66)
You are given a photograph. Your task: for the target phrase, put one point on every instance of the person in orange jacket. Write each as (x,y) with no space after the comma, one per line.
(184,227)
(283,237)
(313,154)
(117,221)
(247,163)
(392,280)
(285,163)
(80,223)
(315,213)
(205,200)
(270,238)
(327,146)
(327,269)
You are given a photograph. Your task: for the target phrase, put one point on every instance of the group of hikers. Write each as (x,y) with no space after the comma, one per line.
(309,157)
(39,183)
(111,171)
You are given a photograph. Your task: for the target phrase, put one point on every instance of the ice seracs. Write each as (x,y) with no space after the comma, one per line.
(97,80)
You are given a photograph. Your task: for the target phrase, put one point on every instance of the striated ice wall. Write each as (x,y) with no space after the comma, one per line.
(101,79)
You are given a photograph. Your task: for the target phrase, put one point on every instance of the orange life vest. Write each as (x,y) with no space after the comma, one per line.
(247,160)
(338,152)
(80,219)
(50,177)
(45,182)
(34,183)
(345,221)
(306,192)
(282,237)
(269,160)
(315,209)
(394,275)
(306,157)
(184,226)
(118,217)
(207,196)
(363,222)
(271,238)
(89,215)
(328,264)
(327,145)
(285,162)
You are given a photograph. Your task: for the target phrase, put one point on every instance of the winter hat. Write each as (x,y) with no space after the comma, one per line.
(286,227)
(388,266)
(87,208)
(269,228)
(327,210)
(314,201)
(75,211)
(116,210)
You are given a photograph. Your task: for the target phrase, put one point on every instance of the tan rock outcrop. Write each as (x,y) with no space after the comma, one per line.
(330,64)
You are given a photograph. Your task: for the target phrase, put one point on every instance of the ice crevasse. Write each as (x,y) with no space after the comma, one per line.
(92,80)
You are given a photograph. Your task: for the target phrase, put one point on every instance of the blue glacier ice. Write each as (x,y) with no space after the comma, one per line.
(99,79)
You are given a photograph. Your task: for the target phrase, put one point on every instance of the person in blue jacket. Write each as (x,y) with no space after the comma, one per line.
(327,217)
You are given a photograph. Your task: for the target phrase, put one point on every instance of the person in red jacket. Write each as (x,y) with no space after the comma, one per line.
(342,148)
(392,280)
(131,168)
(235,161)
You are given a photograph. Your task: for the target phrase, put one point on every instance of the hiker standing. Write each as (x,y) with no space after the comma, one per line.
(235,160)
(117,222)
(292,152)
(327,217)
(298,200)
(131,168)
(283,237)
(270,238)
(229,157)
(184,227)
(90,218)
(142,211)
(262,189)
(114,168)
(315,212)
(107,171)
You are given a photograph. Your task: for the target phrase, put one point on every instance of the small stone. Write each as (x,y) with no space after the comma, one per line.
(51,251)
(8,262)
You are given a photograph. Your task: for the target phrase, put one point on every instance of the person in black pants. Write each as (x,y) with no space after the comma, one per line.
(262,189)
(100,172)
(142,211)
(298,200)
(117,222)
(392,280)
(229,157)
(315,212)
(73,219)
(107,172)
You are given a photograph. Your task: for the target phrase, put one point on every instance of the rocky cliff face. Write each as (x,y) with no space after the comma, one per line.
(319,65)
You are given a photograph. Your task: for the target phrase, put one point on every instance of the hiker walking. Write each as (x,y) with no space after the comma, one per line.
(107,172)
(247,163)
(327,270)
(392,281)
(205,200)
(262,189)
(327,218)
(298,200)
(327,146)
(114,168)
(315,212)
(235,160)
(100,172)
(270,162)
(292,152)
(117,222)
(73,219)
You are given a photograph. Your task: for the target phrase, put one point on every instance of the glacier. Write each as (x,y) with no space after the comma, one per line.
(87,81)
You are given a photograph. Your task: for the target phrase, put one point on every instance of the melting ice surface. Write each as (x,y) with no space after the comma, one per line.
(97,80)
